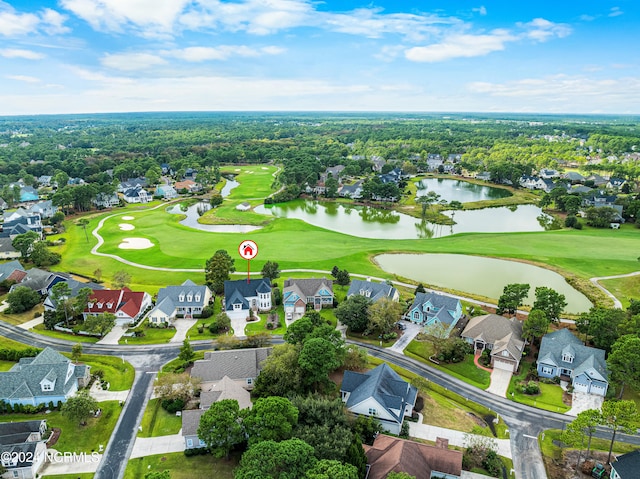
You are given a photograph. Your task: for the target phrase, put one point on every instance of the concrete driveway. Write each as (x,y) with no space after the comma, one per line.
(408,334)
(584,401)
(182,326)
(500,379)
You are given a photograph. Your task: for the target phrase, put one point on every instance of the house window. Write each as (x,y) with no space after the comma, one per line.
(547,370)
(189,298)
(109,305)
(237,307)
(189,442)
(99,305)
(567,357)
(202,443)
(197,298)
(416,315)
(373,411)
(505,353)
(46,387)
(181,298)
(249,381)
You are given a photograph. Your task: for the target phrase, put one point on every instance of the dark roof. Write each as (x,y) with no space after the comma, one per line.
(627,465)
(235,363)
(553,345)
(186,290)
(6,269)
(371,290)
(6,245)
(383,384)
(308,287)
(441,303)
(18,432)
(236,291)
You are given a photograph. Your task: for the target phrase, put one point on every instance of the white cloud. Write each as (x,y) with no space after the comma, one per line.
(111,15)
(23,78)
(482,10)
(131,61)
(542,30)
(460,46)
(221,52)
(615,12)
(14,23)
(19,53)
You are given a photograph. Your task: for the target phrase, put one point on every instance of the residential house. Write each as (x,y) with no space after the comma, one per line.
(615,183)
(7,251)
(187,300)
(190,174)
(244,206)
(48,377)
(598,181)
(240,365)
(12,271)
(378,163)
(166,169)
(43,208)
(132,183)
(353,191)
(484,176)
(439,313)
(22,448)
(168,192)
(74,289)
(626,466)
(136,195)
(574,177)
(28,193)
(126,305)
(373,291)
(580,189)
(563,355)
(104,200)
(44,180)
(300,294)
(40,280)
(529,182)
(3,204)
(502,336)
(19,222)
(333,171)
(380,393)
(189,186)
(454,157)
(241,296)
(394,176)
(77,181)
(547,173)
(226,388)
(392,454)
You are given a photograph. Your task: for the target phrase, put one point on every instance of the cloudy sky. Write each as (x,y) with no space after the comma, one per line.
(83,56)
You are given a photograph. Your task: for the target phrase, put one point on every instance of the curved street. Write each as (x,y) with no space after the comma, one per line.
(525,423)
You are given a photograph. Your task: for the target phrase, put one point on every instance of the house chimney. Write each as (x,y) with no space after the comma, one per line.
(442,443)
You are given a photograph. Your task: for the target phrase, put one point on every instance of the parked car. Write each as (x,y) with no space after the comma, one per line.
(401,326)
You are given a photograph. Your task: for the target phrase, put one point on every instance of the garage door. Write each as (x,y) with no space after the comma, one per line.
(583,388)
(501,364)
(595,389)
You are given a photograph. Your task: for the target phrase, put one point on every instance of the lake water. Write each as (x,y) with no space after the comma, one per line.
(191,220)
(228,186)
(457,190)
(480,275)
(368,222)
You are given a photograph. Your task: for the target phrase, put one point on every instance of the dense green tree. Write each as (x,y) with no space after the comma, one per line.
(186,352)
(221,428)
(600,217)
(535,325)
(584,424)
(399,475)
(318,357)
(354,313)
(79,407)
(270,419)
(99,324)
(221,322)
(329,469)
(76,352)
(158,475)
(271,270)
(620,416)
(216,200)
(343,278)
(24,243)
(624,362)
(41,256)
(601,326)
(298,331)
(512,297)
(550,302)
(217,270)
(331,187)
(280,374)
(22,299)
(289,459)
(420,289)
(355,358)
(384,314)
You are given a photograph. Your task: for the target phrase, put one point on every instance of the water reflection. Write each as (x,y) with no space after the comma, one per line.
(193,213)
(457,190)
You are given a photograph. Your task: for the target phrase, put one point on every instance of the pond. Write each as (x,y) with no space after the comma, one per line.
(228,186)
(193,212)
(457,190)
(377,223)
(480,275)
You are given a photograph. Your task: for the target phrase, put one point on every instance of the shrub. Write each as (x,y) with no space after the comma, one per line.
(530,388)
(172,406)
(199,451)
(207,312)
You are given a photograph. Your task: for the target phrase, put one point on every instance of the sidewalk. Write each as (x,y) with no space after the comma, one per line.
(33,323)
(149,446)
(456,438)
(182,326)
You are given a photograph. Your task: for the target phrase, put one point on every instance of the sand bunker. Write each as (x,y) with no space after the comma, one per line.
(265,168)
(135,243)
(126,227)
(128,218)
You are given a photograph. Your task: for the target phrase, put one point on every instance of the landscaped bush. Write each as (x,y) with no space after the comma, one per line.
(207,312)
(172,406)
(454,350)
(7,354)
(530,388)
(199,451)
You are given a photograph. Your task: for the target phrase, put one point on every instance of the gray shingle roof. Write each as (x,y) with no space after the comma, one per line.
(235,363)
(180,295)
(18,432)
(441,302)
(236,291)
(627,465)
(381,383)
(308,287)
(9,267)
(373,291)
(191,421)
(554,344)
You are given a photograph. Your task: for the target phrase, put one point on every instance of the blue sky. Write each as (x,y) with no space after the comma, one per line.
(84,56)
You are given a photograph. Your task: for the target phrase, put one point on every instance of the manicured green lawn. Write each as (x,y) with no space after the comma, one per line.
(76,338)
(261,326)
(550,397)
(623,288)
(550,449)
(6,365)
(167,368)
(73,437)
(465,370)
(182,467)
(21,318)
(255,181)
(86,475)
(151,336)
(11,344)
(117,373)
(158,422)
